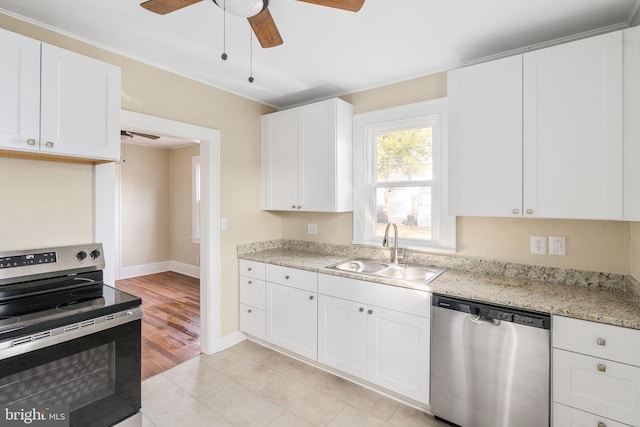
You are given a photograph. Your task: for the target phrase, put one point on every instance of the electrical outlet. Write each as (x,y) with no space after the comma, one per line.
(538,245)
(312,228)
(557,245)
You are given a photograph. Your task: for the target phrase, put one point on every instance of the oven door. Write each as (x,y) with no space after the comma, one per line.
(97,374)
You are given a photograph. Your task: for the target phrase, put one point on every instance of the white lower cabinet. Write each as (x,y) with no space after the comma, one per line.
(252,321)
(292,319)
(596,378)
(565,416)
(252,298)
(374,337)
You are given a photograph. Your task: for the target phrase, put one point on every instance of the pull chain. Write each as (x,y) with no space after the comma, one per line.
(224,30)
(250,55)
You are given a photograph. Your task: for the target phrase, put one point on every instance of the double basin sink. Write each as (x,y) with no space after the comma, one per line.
(389,270)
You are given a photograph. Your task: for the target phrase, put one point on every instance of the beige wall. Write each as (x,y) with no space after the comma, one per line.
(182,247)
(591,245)
(144,205)
(635,249)
(149,90)
(44,204)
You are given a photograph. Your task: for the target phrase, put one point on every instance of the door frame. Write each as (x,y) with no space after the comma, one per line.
(107,214)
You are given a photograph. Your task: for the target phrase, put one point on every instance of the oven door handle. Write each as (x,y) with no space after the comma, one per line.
(38,340)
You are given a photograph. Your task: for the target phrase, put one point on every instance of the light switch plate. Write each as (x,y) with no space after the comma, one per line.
(312,228)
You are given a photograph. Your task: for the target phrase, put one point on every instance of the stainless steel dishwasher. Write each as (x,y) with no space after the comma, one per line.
(489,365)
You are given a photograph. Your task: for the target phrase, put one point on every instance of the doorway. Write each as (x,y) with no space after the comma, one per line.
(108,214)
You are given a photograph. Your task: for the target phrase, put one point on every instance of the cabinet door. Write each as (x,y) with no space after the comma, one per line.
(564,416)
(342,335)
(80,105)
(398,352)
(317,156)
(252,321)
(292,319)
(596,385)
(485,139)
(632,124)
(20,89)
(280,160)
(573,130)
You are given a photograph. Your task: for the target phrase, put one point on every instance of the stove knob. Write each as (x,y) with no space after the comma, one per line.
(81,255)
(94,254)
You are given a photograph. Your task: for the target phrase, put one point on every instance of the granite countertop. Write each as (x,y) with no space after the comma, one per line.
(610,306)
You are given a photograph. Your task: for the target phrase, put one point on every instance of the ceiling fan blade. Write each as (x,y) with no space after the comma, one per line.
(265,29)
(146,135)
(350,5)
(163,7)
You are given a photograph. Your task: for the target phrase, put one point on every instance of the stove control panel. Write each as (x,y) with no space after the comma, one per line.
(50,261)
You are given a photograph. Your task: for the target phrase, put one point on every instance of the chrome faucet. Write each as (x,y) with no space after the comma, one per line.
(385,240)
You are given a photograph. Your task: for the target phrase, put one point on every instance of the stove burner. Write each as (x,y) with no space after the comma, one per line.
(82,304)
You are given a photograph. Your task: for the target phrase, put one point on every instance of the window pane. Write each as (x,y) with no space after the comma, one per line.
(408,207)
(404,155)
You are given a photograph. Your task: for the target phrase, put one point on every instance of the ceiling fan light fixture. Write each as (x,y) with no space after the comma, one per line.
(242,8)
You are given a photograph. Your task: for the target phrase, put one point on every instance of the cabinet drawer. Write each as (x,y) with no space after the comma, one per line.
(252,321)
(252,292)
(564,416)
(293,277)
(595,385)
(386,296)
(597,339)
(251,269)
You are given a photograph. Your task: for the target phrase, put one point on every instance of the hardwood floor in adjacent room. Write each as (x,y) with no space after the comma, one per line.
(171,322)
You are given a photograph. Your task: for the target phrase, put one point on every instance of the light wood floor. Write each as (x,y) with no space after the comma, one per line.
(171,322)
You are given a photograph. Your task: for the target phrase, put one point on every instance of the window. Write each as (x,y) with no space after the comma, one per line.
(400,176)
(195,199)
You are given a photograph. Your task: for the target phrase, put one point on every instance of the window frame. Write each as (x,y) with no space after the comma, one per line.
(365,127)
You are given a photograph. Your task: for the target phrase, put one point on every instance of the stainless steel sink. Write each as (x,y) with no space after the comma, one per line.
(390,270)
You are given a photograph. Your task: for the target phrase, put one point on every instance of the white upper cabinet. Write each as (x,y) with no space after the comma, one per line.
(19,92)
(539,134)
(56,101)
(306,158)
(485,139)
(573,130)
(80,112)
(632,124)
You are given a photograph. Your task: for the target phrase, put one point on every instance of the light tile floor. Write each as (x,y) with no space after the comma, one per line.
(250,385)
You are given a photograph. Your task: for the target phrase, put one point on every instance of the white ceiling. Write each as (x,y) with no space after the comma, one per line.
(326,52)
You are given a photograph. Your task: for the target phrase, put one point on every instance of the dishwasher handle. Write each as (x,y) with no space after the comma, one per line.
(492,313)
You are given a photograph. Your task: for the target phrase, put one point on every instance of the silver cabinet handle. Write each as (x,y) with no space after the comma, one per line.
(601,367)
(31,141)
(601,424)
(516,211)
(49,144)
(310,296)
(293,206)
(370,311)
(250,282)
(248,268)
(299,207)
(361,309)
(601,341)
(287,277)
(249,311)
(529,211)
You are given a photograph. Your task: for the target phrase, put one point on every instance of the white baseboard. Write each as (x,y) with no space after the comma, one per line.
(186,269)
(159,267)
(230,340)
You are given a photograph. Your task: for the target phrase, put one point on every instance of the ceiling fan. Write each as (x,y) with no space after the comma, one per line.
(256,11)
(128,134)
